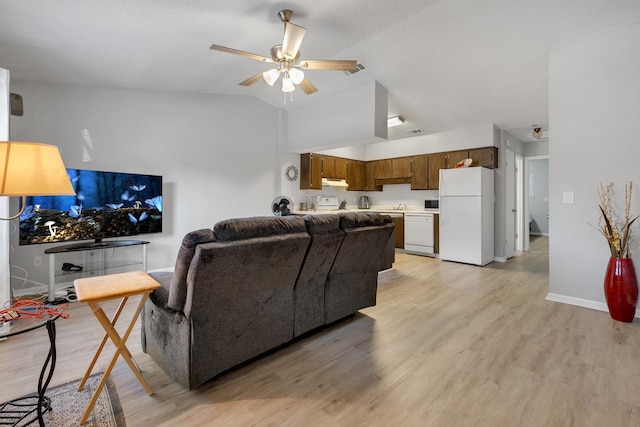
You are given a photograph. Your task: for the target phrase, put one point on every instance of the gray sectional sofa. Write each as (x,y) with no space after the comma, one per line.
(251,285)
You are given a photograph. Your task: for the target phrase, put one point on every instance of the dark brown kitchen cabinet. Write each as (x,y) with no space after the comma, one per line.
(422,171)
(401,167)
(328,166)
(399,223)
(340,168)
(486,157)
(435,162)
(382,169)
(393,171)
(453,157)
(419,173)
(333,167)
(356,175)
(370,177)
(310,171)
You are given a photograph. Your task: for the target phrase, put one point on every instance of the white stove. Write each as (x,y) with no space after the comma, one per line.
(328,204)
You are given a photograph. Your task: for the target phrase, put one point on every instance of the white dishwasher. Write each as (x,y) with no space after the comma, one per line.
(418,233)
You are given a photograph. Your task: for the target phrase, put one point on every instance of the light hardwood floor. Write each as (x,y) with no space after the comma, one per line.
(447,345)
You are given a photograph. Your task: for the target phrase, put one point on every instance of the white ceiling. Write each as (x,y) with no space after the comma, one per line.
(447,64)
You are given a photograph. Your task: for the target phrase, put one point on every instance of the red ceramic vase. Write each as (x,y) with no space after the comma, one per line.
(621,289)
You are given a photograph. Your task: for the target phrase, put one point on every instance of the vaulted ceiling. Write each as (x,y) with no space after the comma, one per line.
(447,64)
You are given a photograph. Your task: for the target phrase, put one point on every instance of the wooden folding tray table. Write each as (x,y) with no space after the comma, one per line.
(95,290)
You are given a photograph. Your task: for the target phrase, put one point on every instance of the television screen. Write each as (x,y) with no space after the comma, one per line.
(106,204)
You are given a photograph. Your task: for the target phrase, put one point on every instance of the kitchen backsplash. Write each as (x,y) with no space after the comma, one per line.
(392,195)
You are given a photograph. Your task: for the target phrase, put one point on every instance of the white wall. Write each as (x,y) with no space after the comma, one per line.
(352,117)
(219,155)
(459,139)
(594,105)
(538,195)
(539,148)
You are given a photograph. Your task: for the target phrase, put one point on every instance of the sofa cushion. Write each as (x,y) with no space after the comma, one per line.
(361,219)
(326,237)
(253,227)
(178,288)
(317,224)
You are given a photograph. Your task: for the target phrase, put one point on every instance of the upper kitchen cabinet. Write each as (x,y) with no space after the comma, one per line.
(419,173)
(333,167)
(401,167)
(453,157)
(435,162)
(340,168)
(422,171)
(356,175)
(393,171)
(310,171)
(370,177)
(486,157)
(382,169)
(328,166)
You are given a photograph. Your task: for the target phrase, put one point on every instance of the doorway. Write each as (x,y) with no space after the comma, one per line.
(536,202)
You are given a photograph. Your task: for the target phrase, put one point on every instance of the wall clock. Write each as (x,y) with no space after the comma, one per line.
(291,173)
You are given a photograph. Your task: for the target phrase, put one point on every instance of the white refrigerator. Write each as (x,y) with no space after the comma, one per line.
(466,215)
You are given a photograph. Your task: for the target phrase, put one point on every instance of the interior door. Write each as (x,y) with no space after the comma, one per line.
(510,205)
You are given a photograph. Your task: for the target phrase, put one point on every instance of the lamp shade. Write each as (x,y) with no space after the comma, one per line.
(297,76)
(32,169)
(271,76)
(287,85)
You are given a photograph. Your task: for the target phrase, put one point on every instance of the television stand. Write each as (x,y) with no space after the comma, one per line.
(89,259)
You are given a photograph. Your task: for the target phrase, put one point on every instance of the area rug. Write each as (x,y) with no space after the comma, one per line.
(68,405)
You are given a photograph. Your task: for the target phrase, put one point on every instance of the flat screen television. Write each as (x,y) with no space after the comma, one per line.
(106,205)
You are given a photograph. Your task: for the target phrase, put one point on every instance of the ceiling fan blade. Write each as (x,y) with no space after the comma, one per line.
(241,53)
(329,64)
(307,87)
(251,80)
(293,35)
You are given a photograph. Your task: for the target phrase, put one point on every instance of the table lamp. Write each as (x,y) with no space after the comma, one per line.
(32,169)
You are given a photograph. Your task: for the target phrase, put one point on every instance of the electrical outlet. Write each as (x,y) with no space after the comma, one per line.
(37,261)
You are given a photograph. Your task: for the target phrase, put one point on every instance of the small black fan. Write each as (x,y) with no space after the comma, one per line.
(282,206)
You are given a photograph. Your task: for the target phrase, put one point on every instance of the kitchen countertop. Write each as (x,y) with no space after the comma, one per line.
(394,213)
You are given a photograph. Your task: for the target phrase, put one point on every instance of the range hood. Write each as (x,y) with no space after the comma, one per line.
(331,182)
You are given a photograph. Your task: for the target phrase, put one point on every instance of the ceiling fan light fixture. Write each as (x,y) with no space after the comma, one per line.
(394,121)
(537,133)
(297,76)
(287,85)
(271,76)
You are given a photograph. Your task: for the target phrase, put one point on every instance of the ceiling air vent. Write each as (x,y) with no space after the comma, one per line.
(359,67)
(415,131)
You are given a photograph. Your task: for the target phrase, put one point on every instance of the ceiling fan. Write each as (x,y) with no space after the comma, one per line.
(286,58)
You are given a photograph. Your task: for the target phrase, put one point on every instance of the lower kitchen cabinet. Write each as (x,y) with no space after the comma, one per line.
(389,256)
(399,223)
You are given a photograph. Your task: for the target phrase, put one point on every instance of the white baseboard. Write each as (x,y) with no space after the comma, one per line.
(594,305)
(500,259)
(532,233)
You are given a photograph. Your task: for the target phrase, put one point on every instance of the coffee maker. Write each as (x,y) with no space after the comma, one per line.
(364,202)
